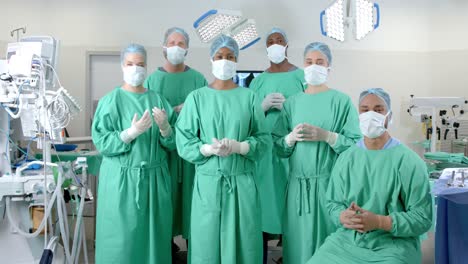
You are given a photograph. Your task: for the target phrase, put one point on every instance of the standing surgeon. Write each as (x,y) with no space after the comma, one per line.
(280,81)
(314,127)
(133,129)
(222,130)
(174,81)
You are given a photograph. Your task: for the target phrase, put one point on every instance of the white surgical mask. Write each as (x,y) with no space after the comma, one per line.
(175,54)
(224,69)
(372,124)
(315,74)
(134,75)
(276,53)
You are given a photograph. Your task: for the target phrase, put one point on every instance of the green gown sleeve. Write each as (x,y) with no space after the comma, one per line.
(199,79)
(416,218)
(350,133)
(147,83)
(335,194)
(253,86)
(169,141)
(204,83)
(259,138)
(281,130)
(105,133)
(187,133)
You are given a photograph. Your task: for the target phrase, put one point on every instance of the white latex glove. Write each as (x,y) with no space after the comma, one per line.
(314,133)
(138,127)
(178,108)
(306,132)
(160,117)
(221,148)
(273,100)
(294,136)
(209,150)
(234,146)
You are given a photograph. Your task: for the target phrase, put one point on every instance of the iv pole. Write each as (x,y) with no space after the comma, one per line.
(17,31)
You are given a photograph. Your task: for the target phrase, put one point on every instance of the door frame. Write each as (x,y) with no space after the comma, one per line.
(89,100)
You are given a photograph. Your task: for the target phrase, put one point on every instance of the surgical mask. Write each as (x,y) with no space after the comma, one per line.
(372,124)
(134,75)
(175,54)
(224,69)
(315,74)
(276,53)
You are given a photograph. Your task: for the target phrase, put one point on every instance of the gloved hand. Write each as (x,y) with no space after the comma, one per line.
(306,132)
(209,150)
(234,146)
(224,148)
(178,108)
(273,100)
(365,221)
(160,117)
(314,133)
(138,127)
(279,102)
(294,136)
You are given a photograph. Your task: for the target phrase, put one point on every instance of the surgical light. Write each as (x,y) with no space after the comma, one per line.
(338,18)
(245,34)
(216,22)
(335,21)
(365,18)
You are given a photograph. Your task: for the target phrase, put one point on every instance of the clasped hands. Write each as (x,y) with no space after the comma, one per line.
(356,218)
(224,148)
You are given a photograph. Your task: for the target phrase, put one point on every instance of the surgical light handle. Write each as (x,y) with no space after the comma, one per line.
(377,10)
(202,17)
(322,14)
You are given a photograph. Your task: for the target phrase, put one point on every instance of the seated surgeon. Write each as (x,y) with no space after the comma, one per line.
(378,195)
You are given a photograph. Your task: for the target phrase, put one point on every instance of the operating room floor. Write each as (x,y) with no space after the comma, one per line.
(427,247)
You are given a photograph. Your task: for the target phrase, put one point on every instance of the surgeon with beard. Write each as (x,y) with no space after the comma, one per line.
(174,81)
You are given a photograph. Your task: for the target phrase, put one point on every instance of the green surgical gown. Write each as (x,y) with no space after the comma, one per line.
(134,211)
(175,87)
(390,182)
(272,170)
(306,223)
(225,220)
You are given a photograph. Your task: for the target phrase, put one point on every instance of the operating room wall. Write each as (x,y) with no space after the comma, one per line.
(116,22)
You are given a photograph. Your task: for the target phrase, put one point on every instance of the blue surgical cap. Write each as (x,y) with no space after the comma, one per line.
(176,30)
(224,41)
(276,30)
(133,48)
(319,46)
(378,92)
